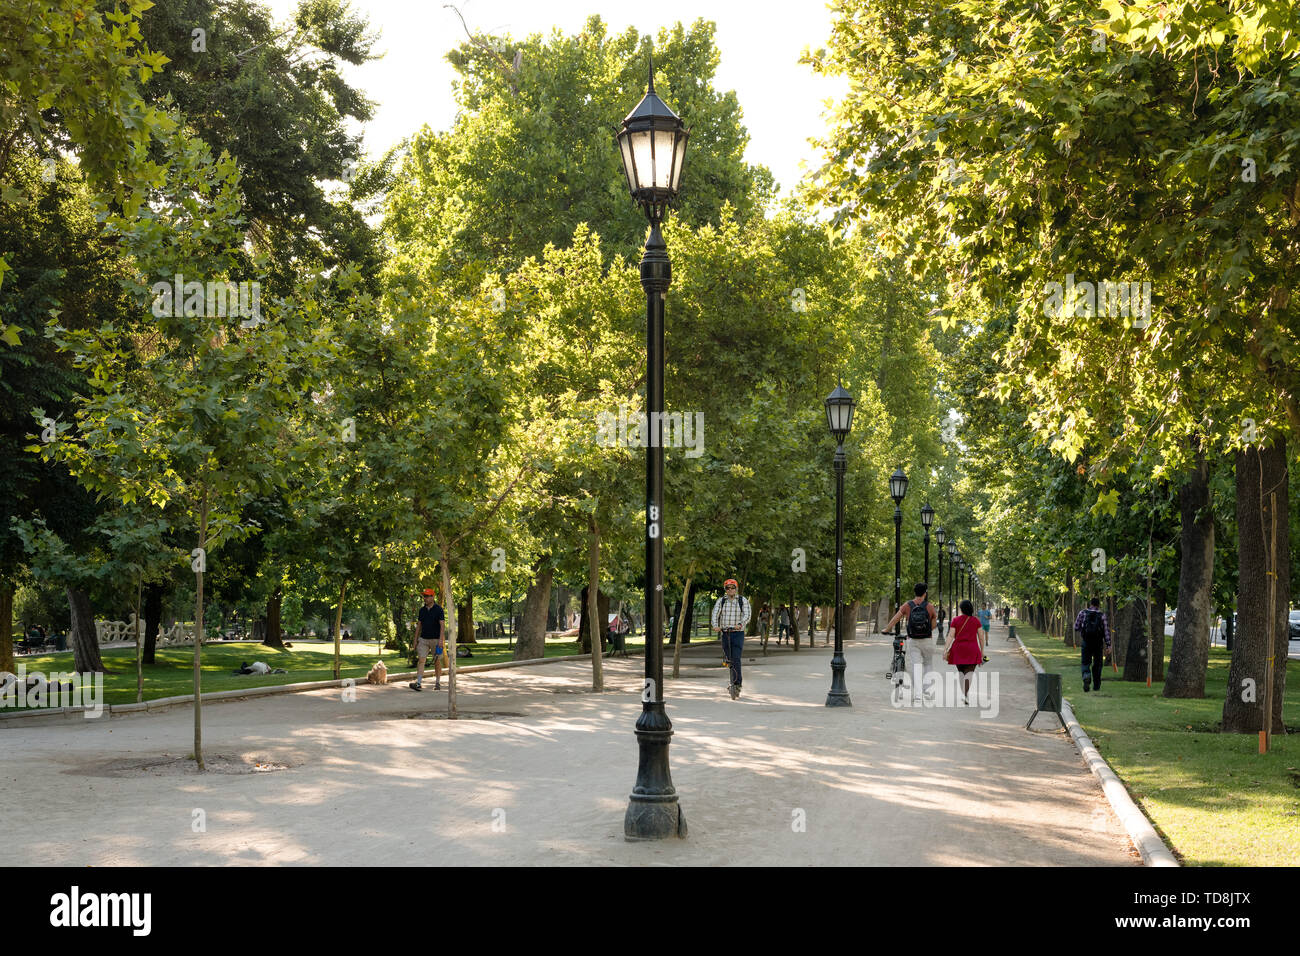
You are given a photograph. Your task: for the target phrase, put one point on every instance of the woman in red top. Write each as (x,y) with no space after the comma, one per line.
(967,648)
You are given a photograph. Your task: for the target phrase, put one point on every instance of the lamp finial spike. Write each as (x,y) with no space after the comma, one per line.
(652,72)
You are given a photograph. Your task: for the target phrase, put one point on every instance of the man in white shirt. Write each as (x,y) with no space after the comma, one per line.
(730,618)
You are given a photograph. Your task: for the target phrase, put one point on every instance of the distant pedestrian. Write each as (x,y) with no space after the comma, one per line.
(1094,632)
(783,625)
(966,650)
(764,618)
(730,617)
(920,616)
(985,616)
(428,637)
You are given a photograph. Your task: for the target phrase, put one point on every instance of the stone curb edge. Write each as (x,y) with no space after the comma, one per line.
(1153,849)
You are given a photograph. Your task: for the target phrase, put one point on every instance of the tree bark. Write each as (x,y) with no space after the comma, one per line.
(1260,471)
(338,631)
(1190,655)
(531,640)
(1135,655)
(7,627)
(1159,601)
(274,636)
(465,620)
(1067,625)
(596,620)
(602,611)
(198,635)
(139,642)
(85,643)
(449,609)
(681,621)
(153,602)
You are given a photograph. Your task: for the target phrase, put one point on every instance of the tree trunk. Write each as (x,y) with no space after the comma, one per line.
(1190,655)
(449,609)
(852,630)
(395,607)
(596,620)
(1159,600)
(465,620)
(85,643)
(1260,472)
(1068,623)
(139,642)
(7,627)
(198,633)
(530,643)
(681,621)
(153,605)
(689,614)
(338,632)
(274,637)
(1135,654)
(584,626)
(794,623)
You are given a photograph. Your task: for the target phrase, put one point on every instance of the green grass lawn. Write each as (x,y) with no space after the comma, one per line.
(1213,798)
(173,673)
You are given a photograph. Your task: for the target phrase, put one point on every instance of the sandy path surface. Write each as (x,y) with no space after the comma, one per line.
(774,778)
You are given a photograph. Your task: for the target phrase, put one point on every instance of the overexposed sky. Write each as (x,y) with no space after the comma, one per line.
(760,44)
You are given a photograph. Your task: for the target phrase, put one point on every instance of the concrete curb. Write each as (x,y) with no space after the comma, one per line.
(51,714)
(1140,831)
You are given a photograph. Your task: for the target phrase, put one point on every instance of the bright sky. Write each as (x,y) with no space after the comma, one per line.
(760,44)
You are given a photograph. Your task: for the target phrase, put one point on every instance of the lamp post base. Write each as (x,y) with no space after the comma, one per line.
(839,692)
(653,812)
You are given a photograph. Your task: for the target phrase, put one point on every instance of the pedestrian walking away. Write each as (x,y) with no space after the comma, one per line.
(1094,632)
(920,616)
(730,618)
(428,637)
(783,625)
(966,652)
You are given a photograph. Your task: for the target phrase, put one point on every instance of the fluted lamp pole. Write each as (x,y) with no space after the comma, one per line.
(653,145)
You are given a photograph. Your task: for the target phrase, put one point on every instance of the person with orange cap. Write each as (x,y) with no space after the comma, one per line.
(730,617)
(428,637)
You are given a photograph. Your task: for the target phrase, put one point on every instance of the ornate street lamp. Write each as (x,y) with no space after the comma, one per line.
(839,417)
(653,145)
(897,491)
(940,537)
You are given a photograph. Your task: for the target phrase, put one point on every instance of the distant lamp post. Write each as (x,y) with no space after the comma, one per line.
(653,145)
(940,537)
(839,418)
(952,579)
(927,519)
(897,491)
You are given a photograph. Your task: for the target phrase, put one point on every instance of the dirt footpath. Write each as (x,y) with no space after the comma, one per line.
(541,775)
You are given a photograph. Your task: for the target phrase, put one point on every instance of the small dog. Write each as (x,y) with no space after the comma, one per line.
(378,674)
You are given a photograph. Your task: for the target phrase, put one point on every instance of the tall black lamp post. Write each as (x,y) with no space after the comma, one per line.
(952,579)
(839,416)
(897,491)
(941,536)
(927,519)
(653,144)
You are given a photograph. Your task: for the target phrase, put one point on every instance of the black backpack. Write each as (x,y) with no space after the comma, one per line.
(918,620)
(1093,629)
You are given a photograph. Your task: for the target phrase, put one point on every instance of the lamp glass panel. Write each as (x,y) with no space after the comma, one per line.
(678,160)
(629,169)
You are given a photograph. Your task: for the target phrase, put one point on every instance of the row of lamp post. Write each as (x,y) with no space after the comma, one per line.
(652,144)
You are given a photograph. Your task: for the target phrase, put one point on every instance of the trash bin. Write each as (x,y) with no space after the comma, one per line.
(61,641)
(1048,697)
(618,643)
(1012,629)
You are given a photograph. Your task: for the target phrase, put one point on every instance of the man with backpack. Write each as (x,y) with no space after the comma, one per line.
(730,618)
(1094,637)
(920,616)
